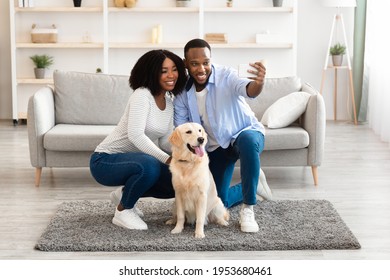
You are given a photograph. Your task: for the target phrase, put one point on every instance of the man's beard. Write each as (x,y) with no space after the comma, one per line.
(192,82)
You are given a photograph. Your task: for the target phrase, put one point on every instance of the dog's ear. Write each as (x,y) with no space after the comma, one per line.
(175,138)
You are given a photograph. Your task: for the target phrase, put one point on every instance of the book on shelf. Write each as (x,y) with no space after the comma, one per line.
(216,38)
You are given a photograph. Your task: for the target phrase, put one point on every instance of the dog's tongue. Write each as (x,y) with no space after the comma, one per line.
(199,151)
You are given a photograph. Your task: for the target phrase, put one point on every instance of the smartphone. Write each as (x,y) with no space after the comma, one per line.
(243,70)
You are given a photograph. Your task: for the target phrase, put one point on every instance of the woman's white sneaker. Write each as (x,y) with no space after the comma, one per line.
(128,218)
(263,189)
(247,220)
(116,196)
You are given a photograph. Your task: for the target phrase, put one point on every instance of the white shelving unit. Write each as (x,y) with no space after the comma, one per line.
(99,35)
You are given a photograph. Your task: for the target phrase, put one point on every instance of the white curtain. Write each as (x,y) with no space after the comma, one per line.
(376,80)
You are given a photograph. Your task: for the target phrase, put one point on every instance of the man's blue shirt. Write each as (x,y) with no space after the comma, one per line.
(229,114)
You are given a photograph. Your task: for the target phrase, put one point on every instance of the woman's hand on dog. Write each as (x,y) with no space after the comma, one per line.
(168,160)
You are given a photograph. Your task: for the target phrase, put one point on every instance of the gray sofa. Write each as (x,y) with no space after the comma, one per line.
(66,122)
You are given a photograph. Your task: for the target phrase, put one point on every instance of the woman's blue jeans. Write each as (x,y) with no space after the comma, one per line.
(247,147)
(141,175)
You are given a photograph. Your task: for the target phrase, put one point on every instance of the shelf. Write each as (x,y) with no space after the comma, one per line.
(213,45)
(155,10)
(252,45)
(116,46)
(59,9)
(33,81)
(337,67)
(145,45)
(251,10)
(64,45)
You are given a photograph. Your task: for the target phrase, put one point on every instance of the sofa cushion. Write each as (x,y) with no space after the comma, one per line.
(86,98)
(292,137)
(274,88)
(66,137)
(285,110)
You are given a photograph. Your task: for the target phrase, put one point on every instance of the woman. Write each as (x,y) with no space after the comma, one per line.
(136,153)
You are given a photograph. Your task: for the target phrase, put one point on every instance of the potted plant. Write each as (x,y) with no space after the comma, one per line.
(337,51)
(41,63)
(182,3)
(229,3)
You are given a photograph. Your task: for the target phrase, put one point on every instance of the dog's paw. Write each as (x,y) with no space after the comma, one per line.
(224,223)
(171,222)
(199,235)
(177,230)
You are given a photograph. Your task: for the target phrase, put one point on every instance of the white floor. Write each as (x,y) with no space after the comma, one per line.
(355,177)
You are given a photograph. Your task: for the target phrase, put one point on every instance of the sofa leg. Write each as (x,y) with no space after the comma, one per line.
(314,170)
(38,173)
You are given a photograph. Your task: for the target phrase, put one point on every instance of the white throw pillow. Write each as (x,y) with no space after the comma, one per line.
(285,110)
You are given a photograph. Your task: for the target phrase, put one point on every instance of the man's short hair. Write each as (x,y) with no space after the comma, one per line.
(196,43)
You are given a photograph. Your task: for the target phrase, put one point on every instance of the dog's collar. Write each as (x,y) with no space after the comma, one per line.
(183,160)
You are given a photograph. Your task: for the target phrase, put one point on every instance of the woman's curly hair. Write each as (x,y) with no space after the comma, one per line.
(148,69)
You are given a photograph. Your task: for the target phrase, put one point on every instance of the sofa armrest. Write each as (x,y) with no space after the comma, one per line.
(314,122)
(40,119)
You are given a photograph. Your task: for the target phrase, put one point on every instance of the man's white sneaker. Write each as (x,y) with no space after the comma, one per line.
(263,189)
(129,219)
(116,196)
(247,220)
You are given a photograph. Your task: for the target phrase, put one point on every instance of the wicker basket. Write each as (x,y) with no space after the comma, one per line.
(44,35)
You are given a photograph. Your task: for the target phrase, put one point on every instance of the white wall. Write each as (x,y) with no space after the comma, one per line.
(314,25)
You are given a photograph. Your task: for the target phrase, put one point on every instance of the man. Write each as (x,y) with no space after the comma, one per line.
(215,98)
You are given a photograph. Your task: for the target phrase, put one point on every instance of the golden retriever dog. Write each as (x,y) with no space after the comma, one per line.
(196,199)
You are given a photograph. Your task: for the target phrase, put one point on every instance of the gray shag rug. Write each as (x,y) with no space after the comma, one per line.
(284,225)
